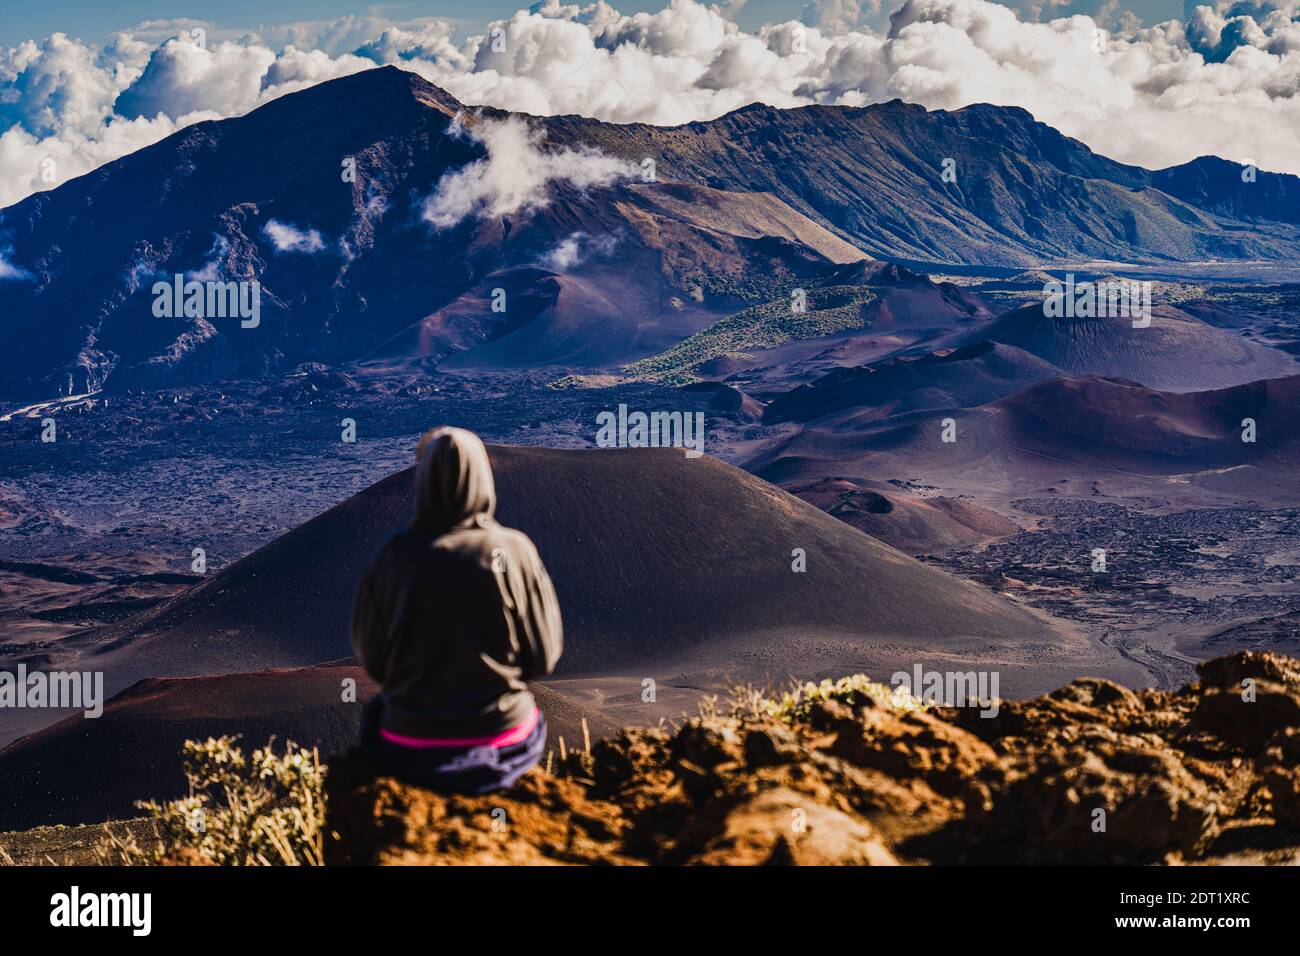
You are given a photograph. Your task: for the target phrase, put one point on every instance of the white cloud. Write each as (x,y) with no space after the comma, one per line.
(834,17)
(54,85)
(430,42)
(1146,97)
(564,256)
(212,269)
(288,238)
(576,248)
(56,107)
(296,69)
(9,271)
(82,106)
(183,77)
(1215,30)
(515,174)
(1227,82)
(73,152)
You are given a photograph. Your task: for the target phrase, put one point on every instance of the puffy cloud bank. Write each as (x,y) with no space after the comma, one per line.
(1224,81)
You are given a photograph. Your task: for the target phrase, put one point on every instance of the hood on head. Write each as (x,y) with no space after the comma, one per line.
(453,481)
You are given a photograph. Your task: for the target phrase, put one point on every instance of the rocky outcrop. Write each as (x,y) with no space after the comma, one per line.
(1092,773)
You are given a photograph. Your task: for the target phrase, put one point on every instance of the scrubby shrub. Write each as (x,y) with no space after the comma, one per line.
(796,704)
(267,810)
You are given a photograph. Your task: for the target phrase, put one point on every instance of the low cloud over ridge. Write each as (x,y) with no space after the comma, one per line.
(514,175)
(286,237)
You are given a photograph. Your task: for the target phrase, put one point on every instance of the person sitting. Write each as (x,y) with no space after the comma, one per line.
(454,616)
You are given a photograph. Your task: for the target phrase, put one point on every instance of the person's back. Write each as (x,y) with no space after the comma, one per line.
(453,618)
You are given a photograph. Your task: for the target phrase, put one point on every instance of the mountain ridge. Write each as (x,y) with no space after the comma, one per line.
(361,264)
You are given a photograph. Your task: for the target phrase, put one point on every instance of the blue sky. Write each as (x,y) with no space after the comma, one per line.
(93,20)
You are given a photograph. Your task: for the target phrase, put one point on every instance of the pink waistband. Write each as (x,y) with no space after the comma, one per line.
(504,739)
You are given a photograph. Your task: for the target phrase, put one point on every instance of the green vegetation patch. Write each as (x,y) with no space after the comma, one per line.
(774,323)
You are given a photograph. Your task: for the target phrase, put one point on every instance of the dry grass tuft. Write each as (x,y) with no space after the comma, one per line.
(263,810)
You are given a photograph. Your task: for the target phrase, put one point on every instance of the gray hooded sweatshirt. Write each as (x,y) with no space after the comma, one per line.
(456,613)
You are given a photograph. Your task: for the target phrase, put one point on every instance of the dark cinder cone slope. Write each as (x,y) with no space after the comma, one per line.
(657,560)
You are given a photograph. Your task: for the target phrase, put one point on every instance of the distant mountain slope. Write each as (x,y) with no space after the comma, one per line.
(1127,425)
(1177,352)
(1023,193)
(651,586)
(1067,430)
(947,378)
(744,207)
(910,523)
(1224,188)
(615,271)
